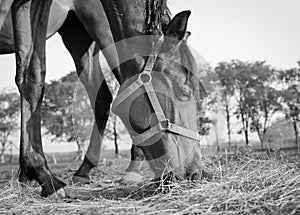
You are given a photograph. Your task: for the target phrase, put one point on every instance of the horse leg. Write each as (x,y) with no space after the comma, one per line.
(100,98)
(30,20)
(85,54)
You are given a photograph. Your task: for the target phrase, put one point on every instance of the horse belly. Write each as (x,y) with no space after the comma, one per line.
(58,14)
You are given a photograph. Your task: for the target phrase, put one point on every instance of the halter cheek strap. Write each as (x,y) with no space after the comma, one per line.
(144,80)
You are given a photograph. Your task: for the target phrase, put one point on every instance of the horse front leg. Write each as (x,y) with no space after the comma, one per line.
(135,165)
(100,98)
(96,24)
(30,20)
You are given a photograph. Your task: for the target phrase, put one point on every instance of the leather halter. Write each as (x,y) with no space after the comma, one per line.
(144,80)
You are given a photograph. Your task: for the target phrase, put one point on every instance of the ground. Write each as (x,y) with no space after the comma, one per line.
(242,183)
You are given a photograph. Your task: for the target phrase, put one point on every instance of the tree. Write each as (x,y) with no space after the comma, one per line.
(263,110)
(236,80)
(257,101)
(244,85)
(9,109)
(226,76)
(291,97)
(265,99)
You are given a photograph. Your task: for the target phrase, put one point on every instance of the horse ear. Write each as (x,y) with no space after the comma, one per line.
(177,26)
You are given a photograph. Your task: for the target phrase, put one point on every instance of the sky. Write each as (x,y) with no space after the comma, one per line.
(221,30)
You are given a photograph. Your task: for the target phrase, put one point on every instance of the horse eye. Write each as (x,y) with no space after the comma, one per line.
(186,91)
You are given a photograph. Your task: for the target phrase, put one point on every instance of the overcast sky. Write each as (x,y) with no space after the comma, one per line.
(221,30)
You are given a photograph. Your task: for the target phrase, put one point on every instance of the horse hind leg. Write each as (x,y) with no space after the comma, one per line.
(30,79)
(100,99)
(101,111)
(81,176)
(85,54)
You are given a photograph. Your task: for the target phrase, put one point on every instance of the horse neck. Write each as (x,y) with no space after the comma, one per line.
(127,19)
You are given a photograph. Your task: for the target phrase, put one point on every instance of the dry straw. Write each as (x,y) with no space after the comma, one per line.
(241,184)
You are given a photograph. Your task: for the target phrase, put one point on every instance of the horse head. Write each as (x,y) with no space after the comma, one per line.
(159,105)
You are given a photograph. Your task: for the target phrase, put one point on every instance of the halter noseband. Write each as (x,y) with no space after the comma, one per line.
(144,80)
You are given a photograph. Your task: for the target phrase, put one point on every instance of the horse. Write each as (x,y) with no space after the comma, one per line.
(158,92)
(64,22)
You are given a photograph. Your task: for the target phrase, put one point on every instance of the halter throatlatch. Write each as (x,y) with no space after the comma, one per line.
(145,80)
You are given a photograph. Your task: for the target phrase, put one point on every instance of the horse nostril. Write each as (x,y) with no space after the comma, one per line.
(194,176)
(193,173)
(197,174)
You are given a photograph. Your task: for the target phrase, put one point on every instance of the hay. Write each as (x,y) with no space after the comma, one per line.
(241,185)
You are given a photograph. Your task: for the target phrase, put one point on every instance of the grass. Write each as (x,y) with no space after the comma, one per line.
(243,183)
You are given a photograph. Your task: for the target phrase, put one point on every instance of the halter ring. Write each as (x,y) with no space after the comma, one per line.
(145,78)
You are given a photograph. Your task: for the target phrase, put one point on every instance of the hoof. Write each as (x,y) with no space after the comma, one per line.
(60,194)
(80,180)
(56,187)
(132,177)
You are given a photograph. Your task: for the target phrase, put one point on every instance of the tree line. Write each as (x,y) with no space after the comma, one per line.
(252,93)
(255,94)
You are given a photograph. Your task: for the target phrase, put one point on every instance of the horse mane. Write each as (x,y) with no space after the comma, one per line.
(158,16)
